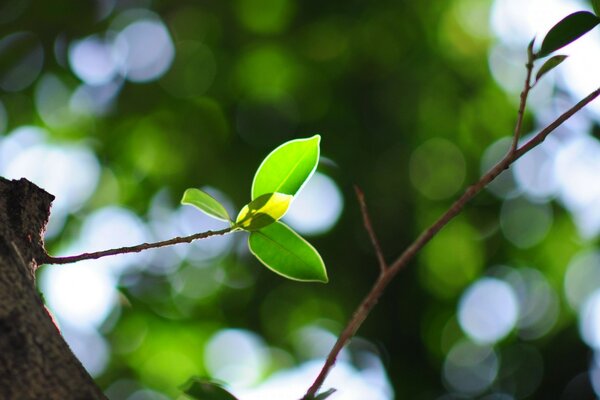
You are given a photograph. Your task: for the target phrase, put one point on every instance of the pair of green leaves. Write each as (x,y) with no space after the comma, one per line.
(278,179)
(566,31)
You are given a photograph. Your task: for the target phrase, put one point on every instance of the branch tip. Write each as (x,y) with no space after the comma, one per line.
(369,228)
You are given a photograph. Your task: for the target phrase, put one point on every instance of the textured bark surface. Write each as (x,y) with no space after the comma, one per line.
(35,361)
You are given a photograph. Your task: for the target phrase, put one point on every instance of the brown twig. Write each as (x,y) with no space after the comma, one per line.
(369,228)
(387,275)
(47,259)
(523,98)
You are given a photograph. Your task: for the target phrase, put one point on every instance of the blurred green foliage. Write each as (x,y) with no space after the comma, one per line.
(378,81)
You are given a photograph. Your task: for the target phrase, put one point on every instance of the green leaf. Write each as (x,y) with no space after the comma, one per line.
(287,167)
(286,253)
(205,203)
(596,6)
(325,394)
(263,211)
(202,389)
(549,65)
(568,30)
(530,54)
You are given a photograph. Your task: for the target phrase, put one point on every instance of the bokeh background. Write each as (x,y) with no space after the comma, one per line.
(117,106)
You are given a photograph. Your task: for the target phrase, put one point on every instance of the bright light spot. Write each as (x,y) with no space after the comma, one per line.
(369,382)
(488,310)
(52,99)
(18,140)
(89,347)
(534,173)
(313,342)
(506,66)
(144,50)
(538,303)
(577,167)
(81,295)
(578,164)
(317,207)
(94,100)
(236,356)
(161,222)
(504,186)
(589,321)
(523,223)
(517,22)
(108,228)
(437,168)
(582,278)
(580,70)
(91,60)
(470,369)
(70,172)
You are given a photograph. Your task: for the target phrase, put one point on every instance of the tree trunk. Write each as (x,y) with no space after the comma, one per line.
(35,361)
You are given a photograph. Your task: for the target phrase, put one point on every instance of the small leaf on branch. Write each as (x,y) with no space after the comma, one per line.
(205,203)
(569,29)
(287,168)
(549,65)
(530,54)
(263,211)
(203,389)
(325,394)
(286,253)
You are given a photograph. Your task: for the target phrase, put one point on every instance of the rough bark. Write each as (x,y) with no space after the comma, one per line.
(35,361)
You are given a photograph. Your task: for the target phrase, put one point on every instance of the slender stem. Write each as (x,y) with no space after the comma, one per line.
(387,276)
(524,94)
(543,134)
(369,228)
(47,259)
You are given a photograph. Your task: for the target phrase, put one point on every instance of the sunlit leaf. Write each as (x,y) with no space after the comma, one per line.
(286,253)
(287,167)
(205,203)
(549,65)
(568,30)
(202,389)
(263,211)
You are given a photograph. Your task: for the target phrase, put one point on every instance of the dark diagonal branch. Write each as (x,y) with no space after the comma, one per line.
(402,261)
(47,259)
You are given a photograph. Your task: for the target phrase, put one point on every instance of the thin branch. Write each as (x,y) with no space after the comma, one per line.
(369,228)
(543,134)
(387,276)
(524,94)
(47,259)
